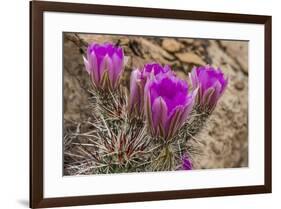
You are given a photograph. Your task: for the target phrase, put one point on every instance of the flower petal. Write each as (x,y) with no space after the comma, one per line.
(105,66)
(135,90)
(115,71)
(216,95)
(159,113)
(174,121)
(147,105)
(87,65)
(208,94)
(95,71)
(194,78)
(187,109)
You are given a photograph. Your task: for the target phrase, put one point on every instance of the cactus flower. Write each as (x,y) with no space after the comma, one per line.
(104,63)
(186,163)
(137,82)
(168,104)
(211,83)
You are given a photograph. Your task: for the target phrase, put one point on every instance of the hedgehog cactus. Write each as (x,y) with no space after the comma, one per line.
(147,128)
(104,64)
(211,84)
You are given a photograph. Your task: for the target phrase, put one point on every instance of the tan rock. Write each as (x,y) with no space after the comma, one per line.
(155,52)
(190,57)
(171,45)
(239,51)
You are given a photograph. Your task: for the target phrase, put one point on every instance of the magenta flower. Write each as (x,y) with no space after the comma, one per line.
(167,104)
(104,63)
(186,163)
(154,69)
(137,83)
(211,83)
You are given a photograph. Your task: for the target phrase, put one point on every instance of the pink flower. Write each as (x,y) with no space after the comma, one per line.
(137,82)
(211,83)
(168,104)
(186,163)
(104,63)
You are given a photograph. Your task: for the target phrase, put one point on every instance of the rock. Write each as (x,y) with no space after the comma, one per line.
(181,75)
(190,57)
(76,99)
(239,51)
(155,52)
(239,85)
(186,41)
(171,45)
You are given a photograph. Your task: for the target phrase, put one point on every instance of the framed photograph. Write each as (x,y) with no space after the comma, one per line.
(139,104)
